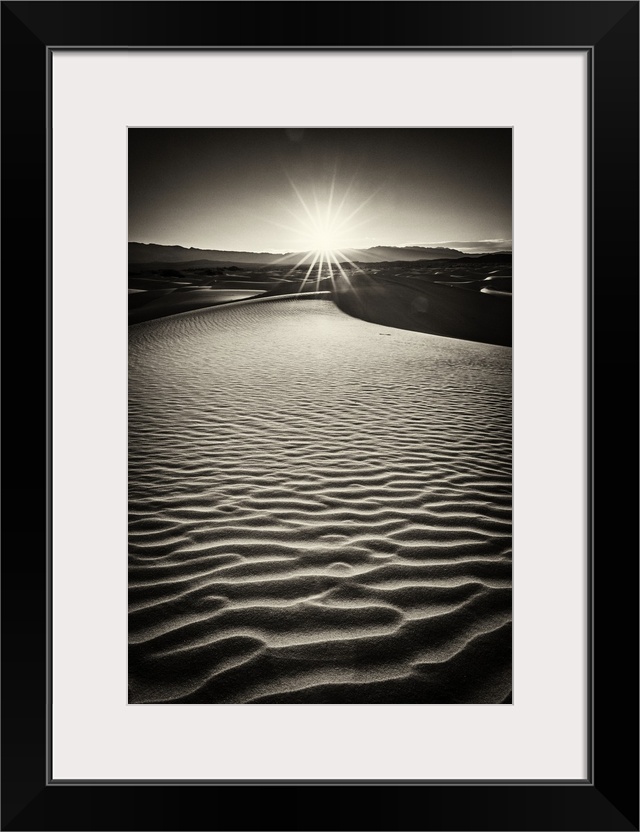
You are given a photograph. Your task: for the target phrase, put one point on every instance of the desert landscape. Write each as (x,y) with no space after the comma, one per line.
(320,477)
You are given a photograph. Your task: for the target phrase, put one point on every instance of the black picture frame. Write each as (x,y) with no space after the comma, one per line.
(608,798)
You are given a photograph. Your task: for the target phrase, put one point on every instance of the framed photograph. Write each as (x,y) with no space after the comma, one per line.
(336,300)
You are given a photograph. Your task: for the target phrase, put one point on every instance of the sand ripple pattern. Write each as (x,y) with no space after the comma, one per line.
(320,510)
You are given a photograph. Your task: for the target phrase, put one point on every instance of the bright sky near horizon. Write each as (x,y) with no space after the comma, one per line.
(254,189)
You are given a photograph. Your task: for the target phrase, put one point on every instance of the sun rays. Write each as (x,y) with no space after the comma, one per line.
(326,225)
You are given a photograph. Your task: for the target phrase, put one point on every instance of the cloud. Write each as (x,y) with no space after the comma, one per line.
(471,246)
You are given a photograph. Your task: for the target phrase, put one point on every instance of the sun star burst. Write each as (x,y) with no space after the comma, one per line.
(326,228)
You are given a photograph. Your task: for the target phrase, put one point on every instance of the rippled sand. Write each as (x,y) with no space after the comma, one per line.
(320,510)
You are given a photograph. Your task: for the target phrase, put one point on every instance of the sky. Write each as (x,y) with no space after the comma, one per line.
(281,190)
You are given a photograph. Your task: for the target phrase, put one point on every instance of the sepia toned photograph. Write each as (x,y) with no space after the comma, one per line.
(320,415)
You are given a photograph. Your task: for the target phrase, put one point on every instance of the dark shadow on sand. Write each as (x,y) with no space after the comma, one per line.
(454,311)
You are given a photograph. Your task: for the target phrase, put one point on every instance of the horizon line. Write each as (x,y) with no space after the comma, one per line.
(508,247)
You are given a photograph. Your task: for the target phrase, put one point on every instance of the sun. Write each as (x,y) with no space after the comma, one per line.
(324,236)
(327,223)
(327,220)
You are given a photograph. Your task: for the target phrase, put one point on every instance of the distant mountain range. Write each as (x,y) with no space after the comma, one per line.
(147,253)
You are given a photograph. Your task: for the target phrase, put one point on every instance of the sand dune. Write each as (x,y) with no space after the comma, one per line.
(456,308)
(171,302)
(320,510)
